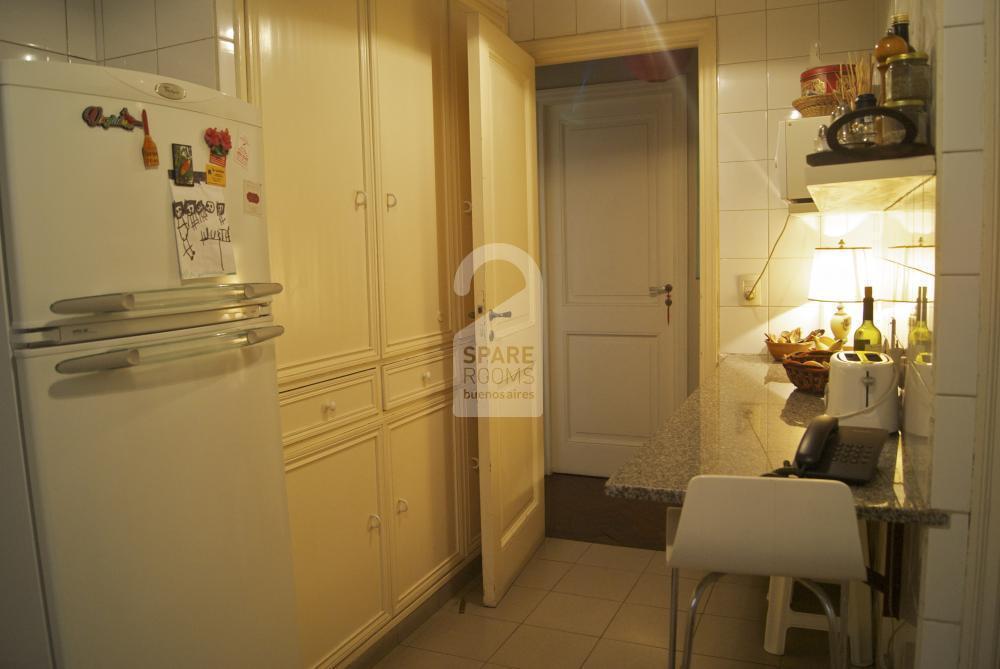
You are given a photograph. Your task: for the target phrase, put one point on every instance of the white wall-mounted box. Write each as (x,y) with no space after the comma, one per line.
(796,139)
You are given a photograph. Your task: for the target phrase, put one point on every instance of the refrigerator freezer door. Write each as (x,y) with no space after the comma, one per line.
(81,214)
(158,493)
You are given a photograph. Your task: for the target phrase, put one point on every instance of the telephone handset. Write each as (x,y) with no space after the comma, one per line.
(829,451)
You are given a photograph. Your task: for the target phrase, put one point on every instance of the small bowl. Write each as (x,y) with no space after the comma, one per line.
(807,377)
(778,351)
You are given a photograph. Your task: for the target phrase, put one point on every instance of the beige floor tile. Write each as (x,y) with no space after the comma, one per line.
(405,657)
(617,557)
(597,582)
(738,601)
(538,648)
(806,649)
(654,590)
(542,574)
(515,606)
(561,550)
(646,625)
(706,662)
(468,636)
(611,654)
(573,613)
(658,565)
(733,639)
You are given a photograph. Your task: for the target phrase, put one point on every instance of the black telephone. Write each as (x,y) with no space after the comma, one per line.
(828,451)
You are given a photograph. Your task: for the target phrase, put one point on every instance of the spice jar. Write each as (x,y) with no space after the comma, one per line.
(916,110)
(862,131)
(908,77)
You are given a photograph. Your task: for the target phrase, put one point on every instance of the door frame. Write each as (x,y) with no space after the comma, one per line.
(700,35)
(556,96)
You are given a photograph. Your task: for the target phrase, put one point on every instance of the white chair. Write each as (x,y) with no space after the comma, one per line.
(804,529)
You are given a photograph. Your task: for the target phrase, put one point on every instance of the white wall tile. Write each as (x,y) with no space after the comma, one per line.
(962,12)
(738,6)
(521,20)
(741,329)
(801,235)
(961,107)
(805,316)
(856,229)
(784,81)
(597,15)
(944,570)
(792,31)
(774,199)
(129,26)
(848,25)
(937,645)
(554,18)
(961,189)
(743,234)
(181,21)
(778,4)
(789,282)
(742,87)
(81,27)
(742,136)
(951,470)
(643,12)
(683,10)
(227,67)
(140,62)
(730,271)
(37,23)
(743,185)
(741,37)
(956,320)
(21,52)
(194,62)
(774,117)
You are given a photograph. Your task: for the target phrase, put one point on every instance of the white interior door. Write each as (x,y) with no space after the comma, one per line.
(507,288)
(615,180)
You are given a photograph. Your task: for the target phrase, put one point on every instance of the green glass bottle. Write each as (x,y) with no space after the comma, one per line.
(868,337)
(920,340)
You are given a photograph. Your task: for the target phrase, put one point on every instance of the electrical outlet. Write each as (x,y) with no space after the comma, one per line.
(746,282)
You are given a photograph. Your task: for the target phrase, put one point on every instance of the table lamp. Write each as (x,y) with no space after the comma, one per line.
(839,274)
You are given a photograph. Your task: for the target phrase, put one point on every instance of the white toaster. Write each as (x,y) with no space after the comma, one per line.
(859,380)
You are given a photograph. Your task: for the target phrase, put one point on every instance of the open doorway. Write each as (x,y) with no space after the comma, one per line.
(618,187)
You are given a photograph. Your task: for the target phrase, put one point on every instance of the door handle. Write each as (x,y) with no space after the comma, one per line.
(402,506)
(660,290)
(503,314)
(374,521)
(390,201)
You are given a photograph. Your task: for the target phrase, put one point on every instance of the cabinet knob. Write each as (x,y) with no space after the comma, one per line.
(390,200)
(374,521)
(426,376)
(330,407)
(475,463)
(466,207)
(402,506)
(360,199)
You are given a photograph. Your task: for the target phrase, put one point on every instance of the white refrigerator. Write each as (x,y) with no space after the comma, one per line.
(143,519)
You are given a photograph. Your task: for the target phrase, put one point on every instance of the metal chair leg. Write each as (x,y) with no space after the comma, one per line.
(675,582)
(838,658)
(703,585)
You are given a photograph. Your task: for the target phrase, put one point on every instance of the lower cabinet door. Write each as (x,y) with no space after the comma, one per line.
(337,544)
(422,479)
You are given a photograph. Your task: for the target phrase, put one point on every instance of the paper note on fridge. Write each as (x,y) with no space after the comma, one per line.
(201,227)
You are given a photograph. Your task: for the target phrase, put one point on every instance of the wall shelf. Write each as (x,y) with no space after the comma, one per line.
(867,186)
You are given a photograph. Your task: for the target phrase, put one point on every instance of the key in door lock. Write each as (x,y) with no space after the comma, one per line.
(666,289)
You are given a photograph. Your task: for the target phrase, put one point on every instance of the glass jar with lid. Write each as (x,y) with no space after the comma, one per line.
(908,77)
(893,131)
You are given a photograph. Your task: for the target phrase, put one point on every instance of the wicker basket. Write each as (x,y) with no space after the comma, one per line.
(815,105)
(807,377)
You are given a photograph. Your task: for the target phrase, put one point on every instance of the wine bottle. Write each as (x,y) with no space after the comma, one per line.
(868,337)
(920,339)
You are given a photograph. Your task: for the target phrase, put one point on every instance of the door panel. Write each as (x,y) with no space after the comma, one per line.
(505,211)
(422,472)
(409,44)
(616,222)
(322,236)
(333,503)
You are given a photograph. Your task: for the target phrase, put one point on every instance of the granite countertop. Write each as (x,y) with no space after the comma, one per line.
(747,419)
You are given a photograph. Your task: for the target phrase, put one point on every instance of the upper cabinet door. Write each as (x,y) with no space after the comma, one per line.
(310,56)
(409,47)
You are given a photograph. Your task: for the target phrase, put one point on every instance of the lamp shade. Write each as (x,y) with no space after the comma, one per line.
(839,273)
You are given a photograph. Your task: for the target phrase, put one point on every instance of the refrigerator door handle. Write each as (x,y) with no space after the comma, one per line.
(170,350)
(164,299)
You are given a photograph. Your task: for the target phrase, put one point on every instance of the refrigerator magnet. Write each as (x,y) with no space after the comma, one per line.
(243,152)
(150,156)
(94,117)
(215,175)
(251,198)
(183,165)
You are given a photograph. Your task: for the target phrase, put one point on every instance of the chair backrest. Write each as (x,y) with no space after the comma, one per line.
(805,528)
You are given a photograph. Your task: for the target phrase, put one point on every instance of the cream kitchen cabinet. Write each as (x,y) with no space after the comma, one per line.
(424,512)
(338,543)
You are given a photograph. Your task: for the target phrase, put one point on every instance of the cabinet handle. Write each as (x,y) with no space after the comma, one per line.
(466,207)
(426,376)
(374,521)
(360,199)
(390,201)
(330,406)
(402,505)
(475,463)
